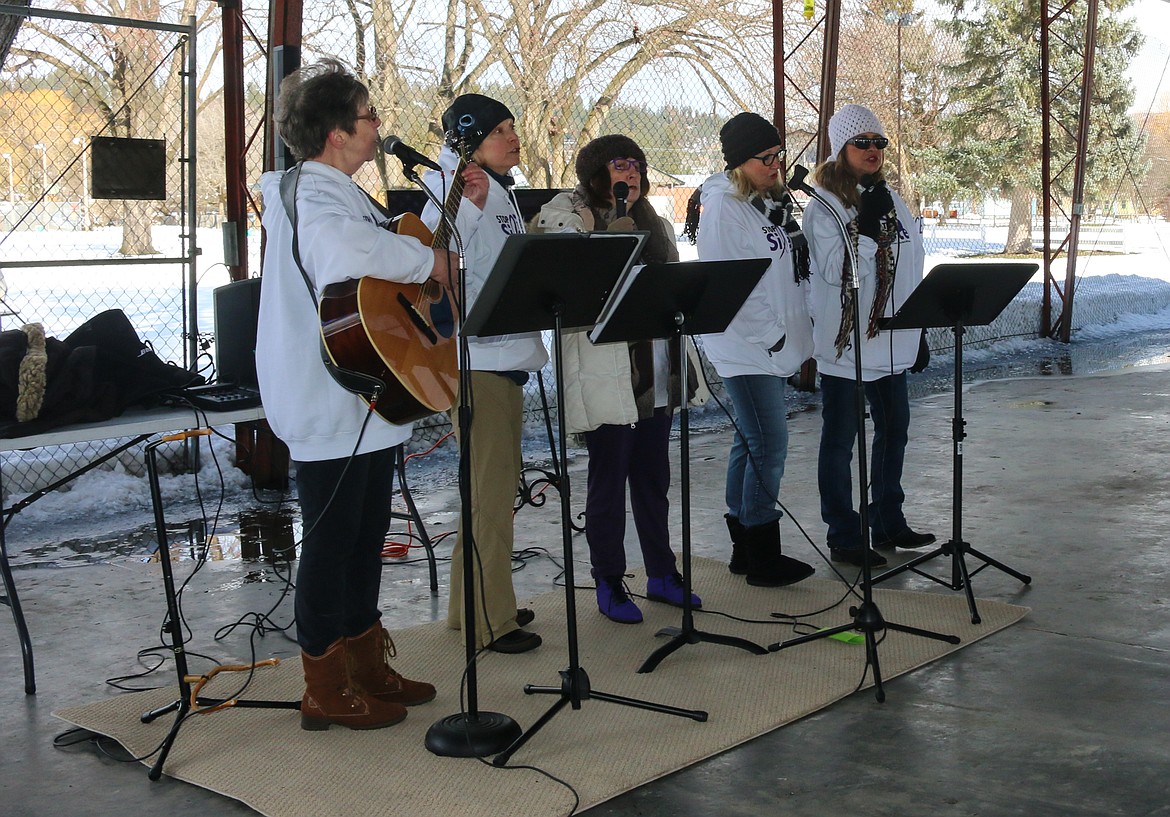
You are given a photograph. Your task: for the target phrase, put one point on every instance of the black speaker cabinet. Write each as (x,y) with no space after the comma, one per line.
(237,311)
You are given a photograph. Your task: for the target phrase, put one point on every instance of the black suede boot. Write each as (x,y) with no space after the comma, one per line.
(739,561)
(767,566)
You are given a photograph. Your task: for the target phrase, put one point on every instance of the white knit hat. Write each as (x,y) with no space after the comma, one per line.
(848,122)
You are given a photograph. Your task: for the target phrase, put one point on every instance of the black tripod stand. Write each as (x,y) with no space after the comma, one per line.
(867,618)
(957,296)
(558,282)
(675,301)
(187,700)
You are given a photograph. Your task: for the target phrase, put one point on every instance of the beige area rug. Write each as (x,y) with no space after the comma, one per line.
(262,757)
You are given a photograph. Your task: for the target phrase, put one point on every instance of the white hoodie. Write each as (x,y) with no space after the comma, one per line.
(339,239)
(731,228)
(484,233)
(889,352)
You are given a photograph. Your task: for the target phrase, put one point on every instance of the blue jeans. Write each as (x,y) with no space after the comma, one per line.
(756,463)
(889,407)
(345,512)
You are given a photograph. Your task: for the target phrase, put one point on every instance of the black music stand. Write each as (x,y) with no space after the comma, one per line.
(958,296)
(558,282)
(187,700)
(674,301)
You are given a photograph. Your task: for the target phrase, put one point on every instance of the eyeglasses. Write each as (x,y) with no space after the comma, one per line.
(622,165)
(865,143)
(372,115)
(770,158)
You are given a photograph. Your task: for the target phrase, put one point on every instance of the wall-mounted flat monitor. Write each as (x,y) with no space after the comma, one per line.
(125,168)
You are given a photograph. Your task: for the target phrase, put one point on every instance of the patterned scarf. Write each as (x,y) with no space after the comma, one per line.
(885,281)
(780,214)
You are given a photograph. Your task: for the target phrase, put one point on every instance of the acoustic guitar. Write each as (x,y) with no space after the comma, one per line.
(396,343)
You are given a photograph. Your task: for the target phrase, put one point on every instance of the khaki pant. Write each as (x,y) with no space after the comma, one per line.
(497,419)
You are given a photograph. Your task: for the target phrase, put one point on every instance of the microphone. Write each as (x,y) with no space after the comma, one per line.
(797,182)
(866,183)
(621,192)
(406,154)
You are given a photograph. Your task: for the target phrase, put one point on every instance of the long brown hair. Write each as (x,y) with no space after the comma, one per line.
(835,176)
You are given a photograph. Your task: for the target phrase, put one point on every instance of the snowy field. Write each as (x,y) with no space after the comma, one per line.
(1123,315)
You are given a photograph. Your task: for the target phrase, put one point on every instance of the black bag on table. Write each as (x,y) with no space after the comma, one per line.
(96,373)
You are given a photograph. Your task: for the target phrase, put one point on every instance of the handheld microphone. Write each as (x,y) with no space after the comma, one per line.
(621,192)
(866,183)
(406,154)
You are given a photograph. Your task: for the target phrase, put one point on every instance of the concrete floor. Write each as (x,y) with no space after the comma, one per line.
(1066,713)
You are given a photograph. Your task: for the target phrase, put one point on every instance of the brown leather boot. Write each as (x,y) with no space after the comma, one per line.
(369,656)
(331,697)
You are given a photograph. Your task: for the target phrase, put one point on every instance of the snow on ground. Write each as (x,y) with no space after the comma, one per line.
(1123,315)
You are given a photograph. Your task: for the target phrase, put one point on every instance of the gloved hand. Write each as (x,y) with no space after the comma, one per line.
(923,359)
(875,203)
(625,224)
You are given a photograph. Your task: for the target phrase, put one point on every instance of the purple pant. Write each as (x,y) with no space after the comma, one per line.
(639,455)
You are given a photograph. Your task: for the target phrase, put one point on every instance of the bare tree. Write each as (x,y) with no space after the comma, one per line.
(128,78)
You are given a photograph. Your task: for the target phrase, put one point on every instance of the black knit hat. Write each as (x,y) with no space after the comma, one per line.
(596,154)
(745,135)
(472,117)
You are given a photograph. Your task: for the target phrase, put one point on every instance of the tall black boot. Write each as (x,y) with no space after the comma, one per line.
(739,560)
(767,566)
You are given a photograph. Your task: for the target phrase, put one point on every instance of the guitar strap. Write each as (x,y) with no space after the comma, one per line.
(368,387)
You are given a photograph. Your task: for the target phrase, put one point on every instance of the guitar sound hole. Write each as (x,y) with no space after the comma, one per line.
(443,316)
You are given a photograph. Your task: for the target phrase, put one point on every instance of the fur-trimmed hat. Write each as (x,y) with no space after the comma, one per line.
(746,135)
(850,121)
(598,153)
(472,117)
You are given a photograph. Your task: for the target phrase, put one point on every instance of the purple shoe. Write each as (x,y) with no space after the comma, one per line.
(613,602)
(669,589)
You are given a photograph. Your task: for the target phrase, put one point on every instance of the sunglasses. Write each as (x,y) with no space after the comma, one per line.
(770,158)
(372,115)
(865,143)
(622,165)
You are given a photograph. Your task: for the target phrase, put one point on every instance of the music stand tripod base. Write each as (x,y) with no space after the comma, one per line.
(956,296)
(672,301)
(558,282)
(173,625)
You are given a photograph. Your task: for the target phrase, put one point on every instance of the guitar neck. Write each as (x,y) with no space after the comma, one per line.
(450,207)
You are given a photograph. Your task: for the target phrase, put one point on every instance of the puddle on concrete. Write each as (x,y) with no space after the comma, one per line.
(250,535)
(269,535)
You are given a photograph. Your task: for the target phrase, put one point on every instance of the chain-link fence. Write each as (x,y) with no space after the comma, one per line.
(95,136)
(667,74)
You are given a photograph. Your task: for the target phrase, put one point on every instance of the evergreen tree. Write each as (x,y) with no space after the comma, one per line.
(992,140)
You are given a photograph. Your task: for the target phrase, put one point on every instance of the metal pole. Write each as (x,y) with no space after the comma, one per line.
(85,223)
(44,168)
(11,190)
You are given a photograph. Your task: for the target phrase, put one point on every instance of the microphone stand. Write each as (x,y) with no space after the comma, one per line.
(867,618)
(469,732)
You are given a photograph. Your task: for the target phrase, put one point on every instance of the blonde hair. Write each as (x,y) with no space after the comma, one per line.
(743,186)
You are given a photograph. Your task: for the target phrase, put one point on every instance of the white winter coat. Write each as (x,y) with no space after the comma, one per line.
(597,377)
(340,238)
(731,228)
(484,233)
(889,352)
